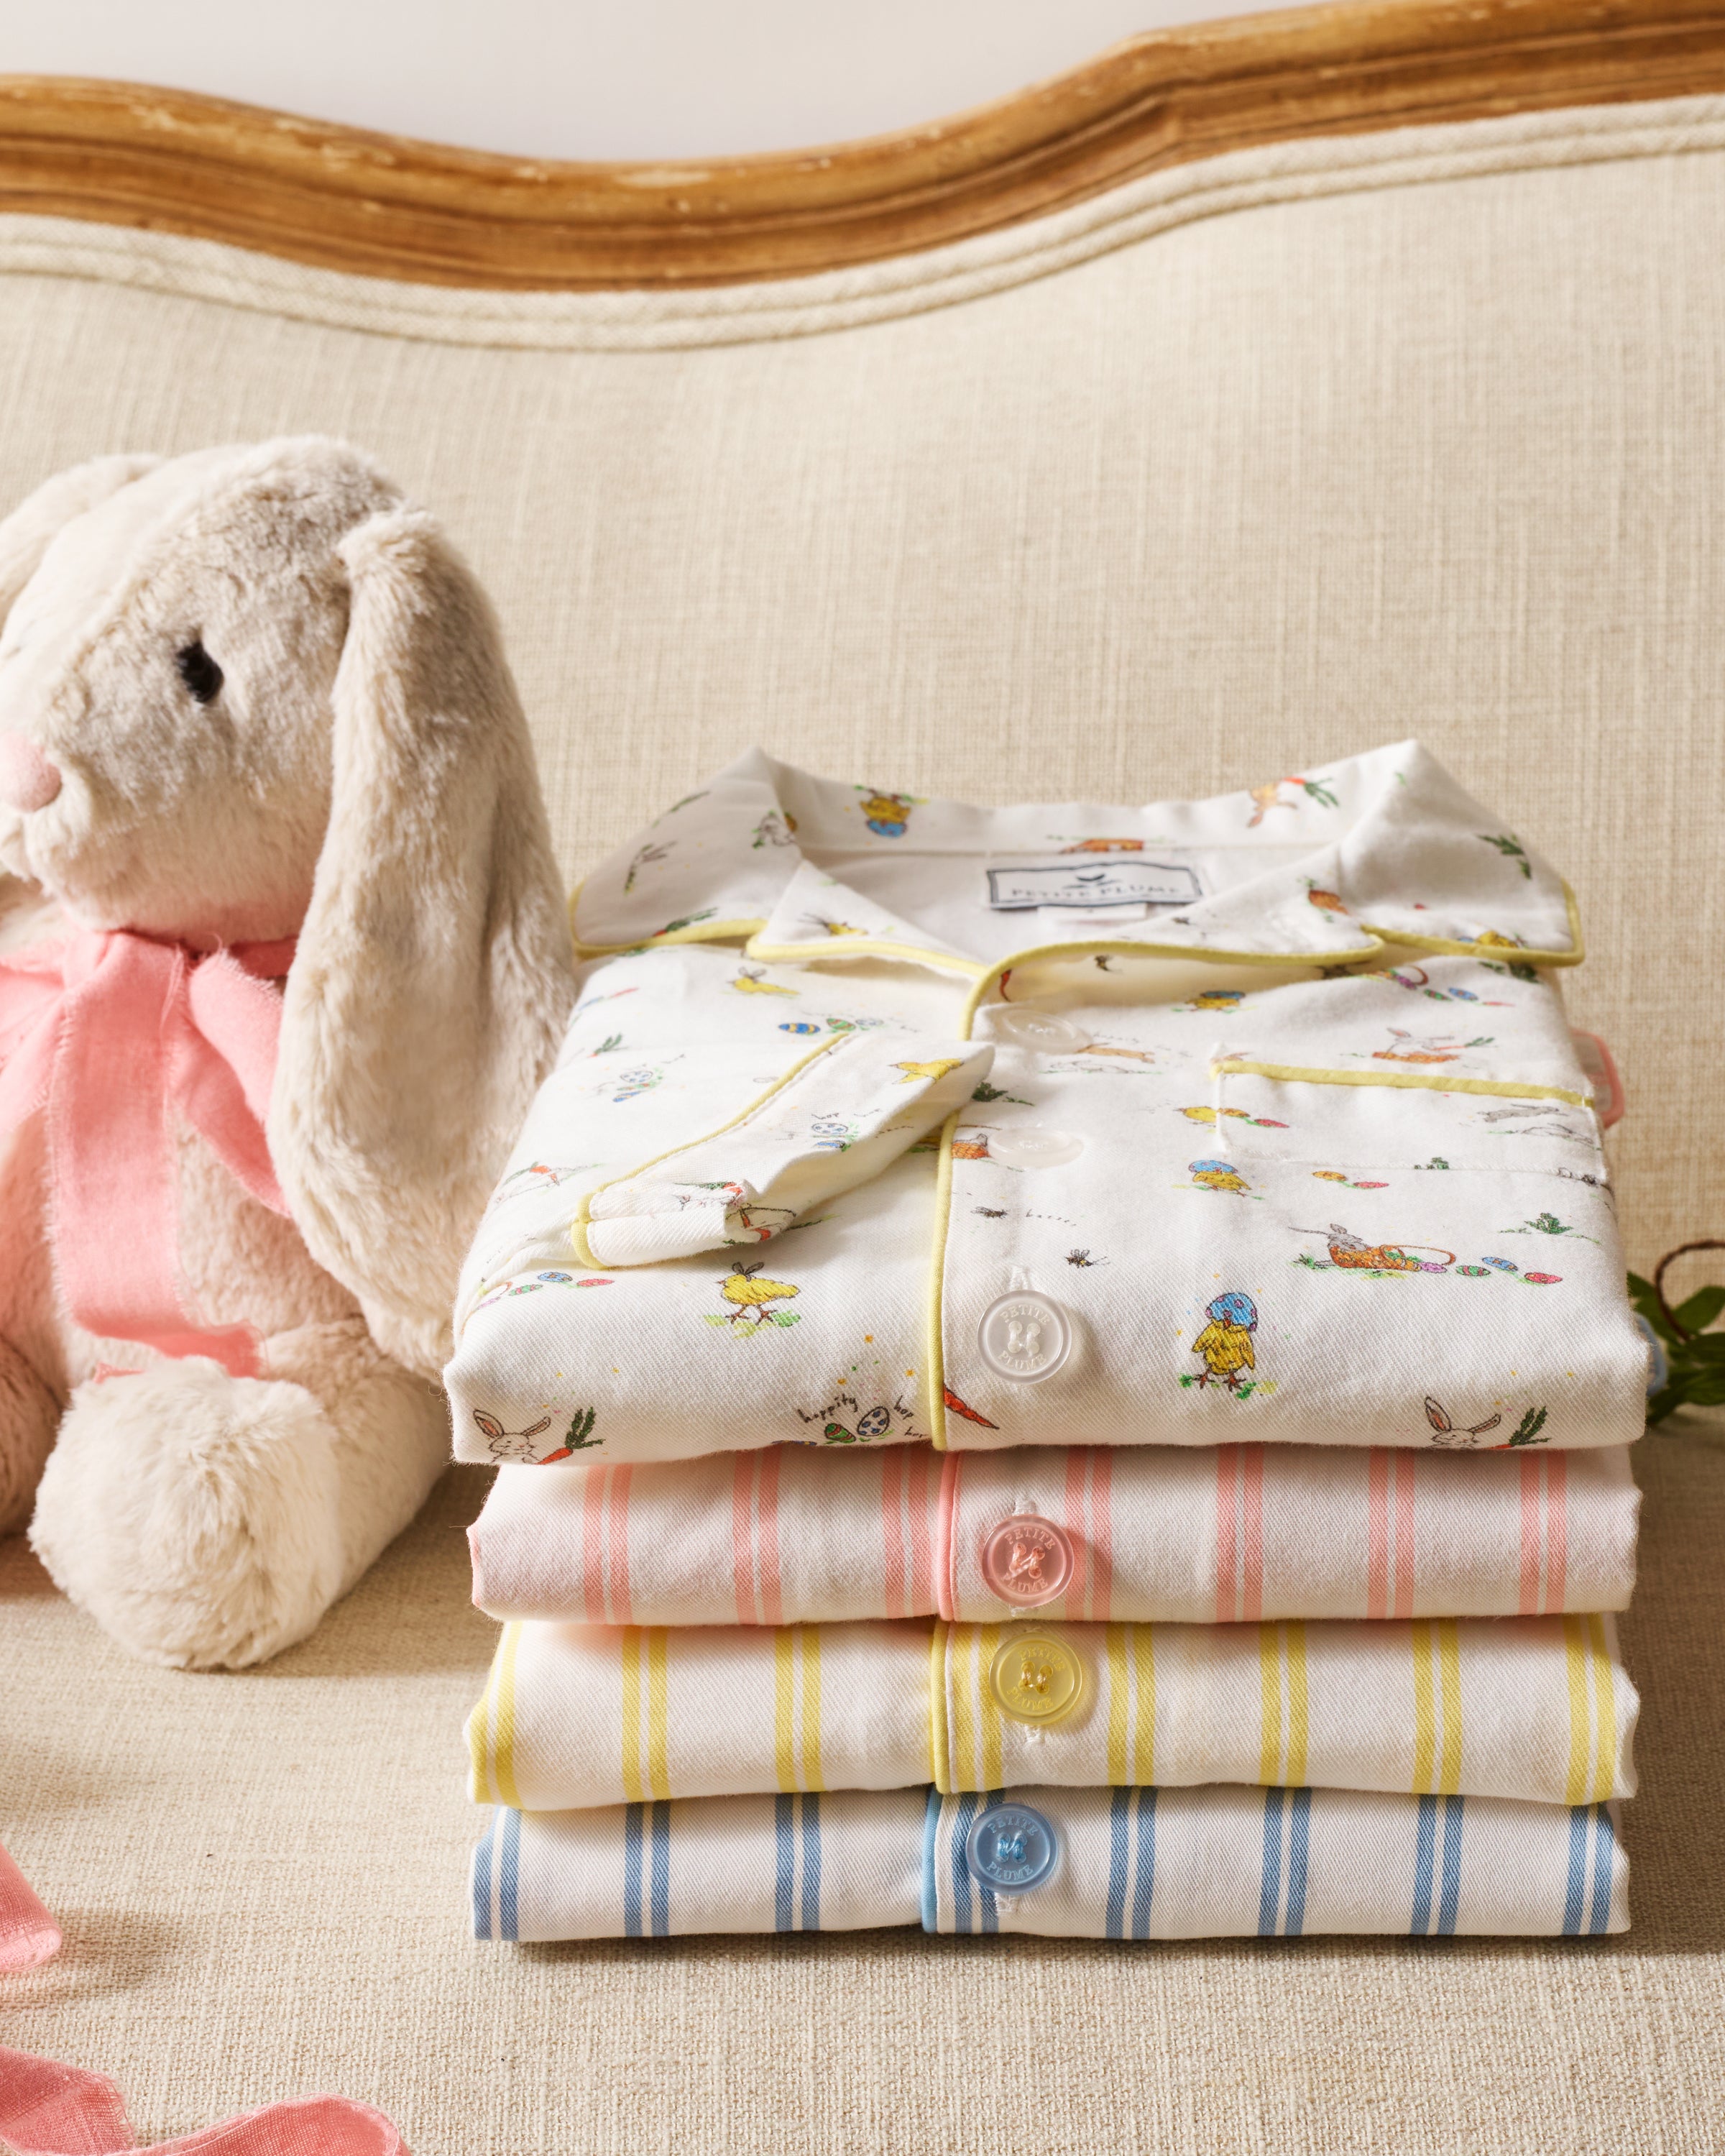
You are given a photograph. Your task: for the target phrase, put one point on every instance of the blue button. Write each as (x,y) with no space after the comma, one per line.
(1011,1849)
(1659,1363)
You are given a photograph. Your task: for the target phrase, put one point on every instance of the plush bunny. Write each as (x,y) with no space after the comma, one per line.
(284,959)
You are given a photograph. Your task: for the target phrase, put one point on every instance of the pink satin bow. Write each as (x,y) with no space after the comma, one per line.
(47,2109)
(119,1037)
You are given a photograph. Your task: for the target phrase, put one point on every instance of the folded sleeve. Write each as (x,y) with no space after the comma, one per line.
(835,1120)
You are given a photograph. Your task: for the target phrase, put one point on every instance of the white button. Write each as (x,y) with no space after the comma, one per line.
(1043,1030)
(1024,1336)
(1030,1145)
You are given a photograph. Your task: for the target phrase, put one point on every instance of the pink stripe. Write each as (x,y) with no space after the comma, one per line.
(923,1593)
(772,1597)
(593,1542)
(893,1469)
(1378,1550)
(742,1534)
(1227,1477)
(946,1559)
(1102,1515)
(1405,1472)
(1077,1594)
(1557,1531)
(1533,1474)
(621,1613)
(1252,1465)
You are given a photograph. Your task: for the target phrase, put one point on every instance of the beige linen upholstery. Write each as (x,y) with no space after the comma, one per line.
(1242,468)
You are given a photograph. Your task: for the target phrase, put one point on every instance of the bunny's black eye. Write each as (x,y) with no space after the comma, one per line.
(199,671)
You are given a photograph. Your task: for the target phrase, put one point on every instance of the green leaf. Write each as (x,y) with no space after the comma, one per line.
(1706,1392)
(1646,1302)
(1699,1312)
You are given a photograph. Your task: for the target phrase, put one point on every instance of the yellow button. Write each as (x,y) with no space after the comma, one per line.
(1035,1676)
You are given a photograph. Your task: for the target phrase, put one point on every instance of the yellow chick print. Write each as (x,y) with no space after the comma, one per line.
(1210,1115)
(936,1069)
(751,1298)
(843,928)
(1218,1175)
(1226,1343)
(751,981)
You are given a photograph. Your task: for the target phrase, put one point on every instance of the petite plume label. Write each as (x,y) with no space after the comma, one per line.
(1093,886)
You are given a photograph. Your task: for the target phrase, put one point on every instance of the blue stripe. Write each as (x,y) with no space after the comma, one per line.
(1271,1896)
(1424,1842)
(930,1834)
(1604,1843)
(661,1868)
(482,1882)
(985,1895)
(811,1864)
(507,1872)
(961,1863)
(1452,1821)
(1297,1842)
(783,1882)
(1579,1818)
(1118,1807)
(1145,1886)
(632,1872)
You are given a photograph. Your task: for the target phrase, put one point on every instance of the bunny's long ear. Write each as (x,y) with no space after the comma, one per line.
(434,973)
(27,534)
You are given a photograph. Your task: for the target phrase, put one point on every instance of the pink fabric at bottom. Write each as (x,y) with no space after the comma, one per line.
(28,1933)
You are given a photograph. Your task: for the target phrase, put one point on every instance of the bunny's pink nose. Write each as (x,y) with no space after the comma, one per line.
(28,780)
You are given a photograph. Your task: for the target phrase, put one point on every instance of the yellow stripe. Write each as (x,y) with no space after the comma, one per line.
(1449,1647)
(785,1681)
(658,1718)
(1301,1075)
(480,1785)
(1116,1640)
(811,1709)
(1424,1713)
(631,1716)
(1605,1708)
(940,1764)
(988,1713)
(1270,1669)
(937,1283)
(961,1707)
(1298,1717)
(1576,1654)
(503,1751)
(1144,1736)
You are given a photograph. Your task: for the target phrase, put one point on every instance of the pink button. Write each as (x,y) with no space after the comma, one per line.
(1026,1560)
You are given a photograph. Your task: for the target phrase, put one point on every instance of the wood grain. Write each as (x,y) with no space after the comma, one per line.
(342,198)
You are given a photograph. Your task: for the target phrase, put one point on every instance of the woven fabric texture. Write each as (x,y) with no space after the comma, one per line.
(1431,450)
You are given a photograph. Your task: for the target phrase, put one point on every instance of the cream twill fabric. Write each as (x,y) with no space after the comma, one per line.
(580,1715)
(1258,1118)
(791,1534)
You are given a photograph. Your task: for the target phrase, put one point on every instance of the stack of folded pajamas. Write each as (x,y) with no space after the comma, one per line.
(1136,1495)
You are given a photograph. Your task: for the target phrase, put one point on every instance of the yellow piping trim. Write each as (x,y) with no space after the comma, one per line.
(1424,1714)
(699,931)
(1575,1655)
(584,1216)
(1605,1711)
(860,947)
(1144,1736)
(1506,954)
(811,1709)
(504,1752)
(658,1675)
(630,1647)
(1449,1647)
(1300,1075)
(1297,1712)
(940,1764)
(937,1283)
(481,1788)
